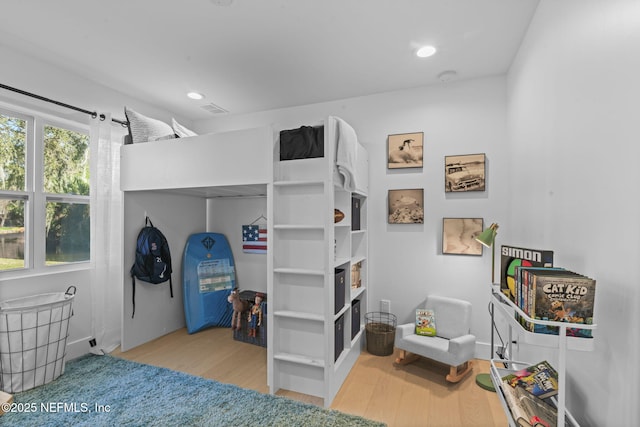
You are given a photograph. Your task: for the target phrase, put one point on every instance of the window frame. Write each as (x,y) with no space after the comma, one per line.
(36,199)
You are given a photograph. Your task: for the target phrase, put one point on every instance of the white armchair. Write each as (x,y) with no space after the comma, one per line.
(453,344)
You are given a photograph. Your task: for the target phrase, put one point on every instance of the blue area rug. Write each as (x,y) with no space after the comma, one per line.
(109,391)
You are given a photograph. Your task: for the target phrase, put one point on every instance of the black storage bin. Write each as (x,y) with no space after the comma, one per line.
(339,293)
(355,213)
(339,337)
(355,318)
(303,143)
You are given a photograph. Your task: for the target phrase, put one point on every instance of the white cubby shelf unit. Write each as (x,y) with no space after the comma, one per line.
(306,248)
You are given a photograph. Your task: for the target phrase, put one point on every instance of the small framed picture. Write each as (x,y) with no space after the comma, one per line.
(464,173)
(406,206)
(404,150)
(459,236)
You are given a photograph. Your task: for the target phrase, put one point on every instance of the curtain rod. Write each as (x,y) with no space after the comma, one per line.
(93,114)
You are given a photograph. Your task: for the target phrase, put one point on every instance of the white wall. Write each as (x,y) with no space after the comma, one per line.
(177,216)
(227,216)
(27,73)
(406,261)
(574,99)
(24,72)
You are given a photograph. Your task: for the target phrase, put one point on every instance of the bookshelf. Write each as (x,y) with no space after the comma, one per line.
(504,307)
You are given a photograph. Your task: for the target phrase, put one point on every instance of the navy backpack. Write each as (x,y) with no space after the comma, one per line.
(153,259)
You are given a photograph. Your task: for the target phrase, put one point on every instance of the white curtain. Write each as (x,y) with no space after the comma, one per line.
(107,210)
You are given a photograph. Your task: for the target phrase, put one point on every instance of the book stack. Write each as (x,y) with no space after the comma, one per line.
(556,294)
(512,257)
(526,392)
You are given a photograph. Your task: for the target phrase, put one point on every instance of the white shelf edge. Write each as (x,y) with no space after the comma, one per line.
(341,358)
(341,261)
(301,271)
(299,315)
(297,183)
(300,359)
(355,339)
(357,258)
(357,232)
(298,227)
(342,311)
(535,338)
(356,292)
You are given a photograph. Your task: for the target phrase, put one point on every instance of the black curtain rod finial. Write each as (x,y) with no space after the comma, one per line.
(93,114)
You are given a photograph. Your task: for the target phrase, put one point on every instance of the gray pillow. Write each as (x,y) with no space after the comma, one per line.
(144,129)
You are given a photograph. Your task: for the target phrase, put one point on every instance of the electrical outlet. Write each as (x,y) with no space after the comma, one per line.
(385,306)
(92,342)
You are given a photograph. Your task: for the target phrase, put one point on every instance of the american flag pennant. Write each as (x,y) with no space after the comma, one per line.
(254,239)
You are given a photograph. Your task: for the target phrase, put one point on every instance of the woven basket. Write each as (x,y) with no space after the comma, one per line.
(381,333)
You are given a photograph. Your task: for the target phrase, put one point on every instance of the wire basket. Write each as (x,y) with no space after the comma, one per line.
(33,339)
(381,332)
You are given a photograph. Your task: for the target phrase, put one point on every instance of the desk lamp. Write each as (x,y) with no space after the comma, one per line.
(487,238)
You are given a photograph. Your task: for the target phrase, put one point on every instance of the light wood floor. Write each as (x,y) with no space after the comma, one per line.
(402,396)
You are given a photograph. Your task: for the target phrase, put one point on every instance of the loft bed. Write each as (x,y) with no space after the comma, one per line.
(230,163)
(212,165)
(171,181)
(158,178)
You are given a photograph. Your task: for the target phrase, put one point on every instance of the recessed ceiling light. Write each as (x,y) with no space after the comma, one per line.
(425,51)
(195,95)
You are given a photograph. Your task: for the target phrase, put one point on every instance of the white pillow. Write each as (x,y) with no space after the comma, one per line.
(143,128)
(180,130)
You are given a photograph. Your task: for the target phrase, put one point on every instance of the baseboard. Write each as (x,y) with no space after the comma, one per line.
(483,350)
(78,348)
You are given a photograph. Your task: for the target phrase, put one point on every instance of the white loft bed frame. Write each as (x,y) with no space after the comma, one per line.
(214,165)
(230,164)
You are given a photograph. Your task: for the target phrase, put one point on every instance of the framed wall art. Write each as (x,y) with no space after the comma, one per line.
(406,206)
(464,173)
(459,236)
(404,150)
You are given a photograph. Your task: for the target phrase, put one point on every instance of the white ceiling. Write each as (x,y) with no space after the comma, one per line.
(255,55)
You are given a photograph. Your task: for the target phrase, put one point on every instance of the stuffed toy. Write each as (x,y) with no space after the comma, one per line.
(239,307)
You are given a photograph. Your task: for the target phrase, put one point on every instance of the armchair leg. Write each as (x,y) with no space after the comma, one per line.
(456,373)
(405,358)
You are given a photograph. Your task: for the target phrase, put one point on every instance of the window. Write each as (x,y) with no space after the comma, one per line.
(44,192)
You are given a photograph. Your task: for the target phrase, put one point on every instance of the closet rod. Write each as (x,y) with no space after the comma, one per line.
(93,114)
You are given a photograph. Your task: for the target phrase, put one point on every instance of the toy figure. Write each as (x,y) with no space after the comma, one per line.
(239,306)
(255,315)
